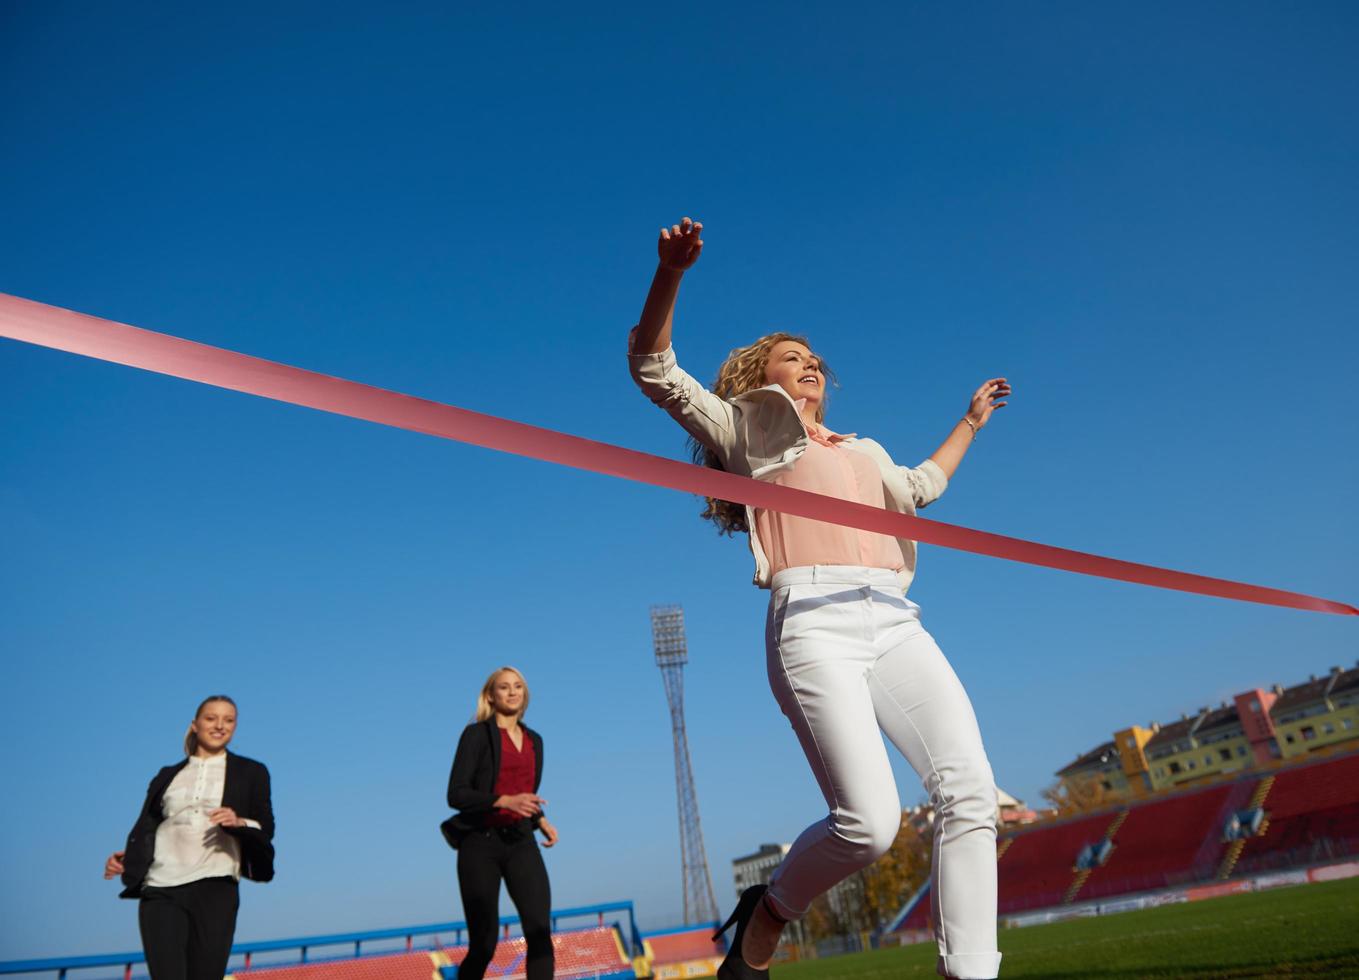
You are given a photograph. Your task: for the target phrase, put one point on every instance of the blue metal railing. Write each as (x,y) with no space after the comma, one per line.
(61,965)
(674,930)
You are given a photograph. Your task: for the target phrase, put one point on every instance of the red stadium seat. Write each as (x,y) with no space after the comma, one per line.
(579,953)
(1037,867)
(679,947)
(1167,842)
(1312,815)
(396,966)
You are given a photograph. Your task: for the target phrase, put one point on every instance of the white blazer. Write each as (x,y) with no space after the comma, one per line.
(760,433)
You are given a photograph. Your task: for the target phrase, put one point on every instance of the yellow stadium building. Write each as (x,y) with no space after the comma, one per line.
(1258,729)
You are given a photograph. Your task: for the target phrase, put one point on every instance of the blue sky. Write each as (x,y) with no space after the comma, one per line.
(1145,218)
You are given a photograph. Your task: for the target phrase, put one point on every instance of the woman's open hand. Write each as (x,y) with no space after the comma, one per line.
(987,399)
(549,833)
(679,245)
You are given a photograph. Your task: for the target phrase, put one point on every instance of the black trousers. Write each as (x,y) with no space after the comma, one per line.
(187,930)
(485,857)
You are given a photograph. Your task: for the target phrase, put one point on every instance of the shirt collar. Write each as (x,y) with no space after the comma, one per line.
(816,430)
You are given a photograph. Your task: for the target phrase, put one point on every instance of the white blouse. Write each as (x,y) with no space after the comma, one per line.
(188,847)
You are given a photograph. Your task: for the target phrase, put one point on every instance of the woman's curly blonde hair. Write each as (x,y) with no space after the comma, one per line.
(743,371)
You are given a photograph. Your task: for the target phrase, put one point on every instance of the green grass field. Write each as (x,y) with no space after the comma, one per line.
(1303,931)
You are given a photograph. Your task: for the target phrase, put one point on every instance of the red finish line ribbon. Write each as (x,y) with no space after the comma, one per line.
(77,333)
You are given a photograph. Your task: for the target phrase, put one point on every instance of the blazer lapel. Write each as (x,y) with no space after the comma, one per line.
(537,757)
(493,733)
(235,787)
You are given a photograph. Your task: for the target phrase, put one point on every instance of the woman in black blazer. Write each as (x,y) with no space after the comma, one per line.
(206,821)
(494,787)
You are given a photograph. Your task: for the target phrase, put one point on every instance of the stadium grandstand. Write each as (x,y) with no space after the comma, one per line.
(597,950)
(688,951)
(1258,792)
(1302,820)
(607,946)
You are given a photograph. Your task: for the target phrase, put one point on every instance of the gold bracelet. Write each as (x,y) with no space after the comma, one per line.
(971,425)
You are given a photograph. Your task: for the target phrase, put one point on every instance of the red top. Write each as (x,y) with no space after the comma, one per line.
(515,776)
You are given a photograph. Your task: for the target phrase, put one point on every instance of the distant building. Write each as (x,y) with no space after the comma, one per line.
(1012,813)
(1255,729)
(755,869)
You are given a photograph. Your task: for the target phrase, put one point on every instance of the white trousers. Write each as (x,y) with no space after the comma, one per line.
(847,656)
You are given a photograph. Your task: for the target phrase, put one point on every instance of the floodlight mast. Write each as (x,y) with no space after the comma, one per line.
(672,653)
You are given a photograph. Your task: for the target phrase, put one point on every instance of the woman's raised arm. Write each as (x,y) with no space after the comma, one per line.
(985,400)
(678,249)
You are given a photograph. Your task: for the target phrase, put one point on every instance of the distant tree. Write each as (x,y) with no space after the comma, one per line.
(827,917)
(866,901)
(894,877)
(1079,794)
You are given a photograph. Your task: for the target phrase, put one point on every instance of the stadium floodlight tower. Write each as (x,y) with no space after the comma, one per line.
(667,634)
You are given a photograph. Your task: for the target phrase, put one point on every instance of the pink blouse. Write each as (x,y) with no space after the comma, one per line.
(830,469)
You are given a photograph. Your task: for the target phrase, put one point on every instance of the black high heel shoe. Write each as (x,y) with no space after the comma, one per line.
(734,966)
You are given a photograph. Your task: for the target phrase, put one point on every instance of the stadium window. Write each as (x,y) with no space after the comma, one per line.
(1347,722)
(1174,768)
(1190,765)
(1208,760)
(1241,750)
(1328,729)
(1308,733)
(1225,753)
(1255,707)
(1288,739)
